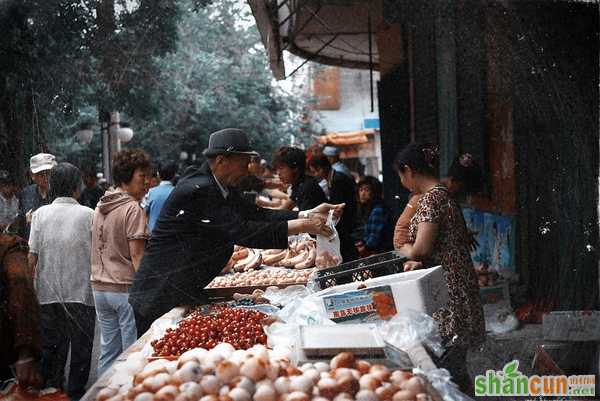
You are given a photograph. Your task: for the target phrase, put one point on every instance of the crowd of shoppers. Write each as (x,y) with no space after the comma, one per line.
(90,253)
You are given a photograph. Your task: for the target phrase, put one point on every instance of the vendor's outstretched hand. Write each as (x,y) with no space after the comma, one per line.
(324,208)
(316,224)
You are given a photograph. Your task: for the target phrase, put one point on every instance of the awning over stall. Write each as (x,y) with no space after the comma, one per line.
(329,32)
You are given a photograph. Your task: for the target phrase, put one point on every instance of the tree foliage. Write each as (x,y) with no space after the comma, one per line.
(178,70)
(218,77)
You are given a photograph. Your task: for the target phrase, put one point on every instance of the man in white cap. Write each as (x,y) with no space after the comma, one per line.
(333,155)
(36,194)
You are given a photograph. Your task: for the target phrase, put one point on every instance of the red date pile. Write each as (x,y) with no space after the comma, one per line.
(239,327)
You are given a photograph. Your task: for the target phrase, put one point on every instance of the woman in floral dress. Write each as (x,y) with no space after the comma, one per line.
(438,236)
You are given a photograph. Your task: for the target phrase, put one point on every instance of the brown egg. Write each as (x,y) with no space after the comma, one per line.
(415,384)
(366,395)
(227,371)
(363,366)
(385,392)
(189,372)
(400,376)
(167,393)
(254,368)
(368,382)
(282,385)
(265,393)
(404,395)
(210,385)
(239,394)
(191,390)
(140,377)
(343,360)
(301,383)
(381,375)
(293,371)
(155,383)
(348,385)
(328,388)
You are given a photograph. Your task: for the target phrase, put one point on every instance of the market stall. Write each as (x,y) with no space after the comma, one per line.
(282,333)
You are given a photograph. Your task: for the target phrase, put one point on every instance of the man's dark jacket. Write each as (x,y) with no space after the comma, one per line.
(29,200)
(193,240)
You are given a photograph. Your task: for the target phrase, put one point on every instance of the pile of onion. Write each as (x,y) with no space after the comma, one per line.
(259,374)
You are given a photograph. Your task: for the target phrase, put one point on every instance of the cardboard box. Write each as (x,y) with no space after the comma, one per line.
(380,298)
(572,326)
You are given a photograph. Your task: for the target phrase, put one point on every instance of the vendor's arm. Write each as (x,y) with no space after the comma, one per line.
(401,229)
(277,194)
(254,212)
(265,228)
(286,204)
(268,203)
(424,244)
(428,218)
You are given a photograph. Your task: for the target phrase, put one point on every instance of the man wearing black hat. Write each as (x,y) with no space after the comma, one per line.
(199,224)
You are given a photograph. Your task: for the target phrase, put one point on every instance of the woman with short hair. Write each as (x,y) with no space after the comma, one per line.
(306,193)
(119,234)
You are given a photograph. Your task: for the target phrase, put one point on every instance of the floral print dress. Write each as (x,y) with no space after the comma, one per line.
(461,321)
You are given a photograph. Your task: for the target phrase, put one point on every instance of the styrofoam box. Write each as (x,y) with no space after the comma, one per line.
(421,290)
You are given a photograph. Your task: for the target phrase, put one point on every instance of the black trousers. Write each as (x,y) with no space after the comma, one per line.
(142,323)
(64,325)
(455,361)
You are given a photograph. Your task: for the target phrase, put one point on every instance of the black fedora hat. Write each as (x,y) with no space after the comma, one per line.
(228,141)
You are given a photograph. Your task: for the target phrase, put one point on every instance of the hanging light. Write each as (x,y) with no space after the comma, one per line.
(124,133)
(84,134)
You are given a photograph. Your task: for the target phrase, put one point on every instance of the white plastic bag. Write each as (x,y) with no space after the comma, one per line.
(328,248)
(283,296)
(409,327)
(305,311)
(441,380)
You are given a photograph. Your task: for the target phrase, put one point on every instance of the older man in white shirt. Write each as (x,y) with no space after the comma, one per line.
(59,253)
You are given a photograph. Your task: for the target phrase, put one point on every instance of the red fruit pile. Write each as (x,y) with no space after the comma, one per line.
(239,327)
